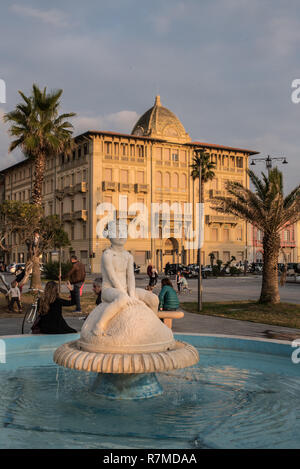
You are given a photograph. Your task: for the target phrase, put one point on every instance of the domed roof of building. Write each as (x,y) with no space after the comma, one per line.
(161,123)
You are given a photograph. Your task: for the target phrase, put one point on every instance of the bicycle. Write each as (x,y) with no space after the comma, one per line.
(31,315)
(185,291)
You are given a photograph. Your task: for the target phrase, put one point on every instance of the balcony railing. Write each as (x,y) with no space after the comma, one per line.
(109,186)
(125,187)
(221,219)
(141,188)
(80,215)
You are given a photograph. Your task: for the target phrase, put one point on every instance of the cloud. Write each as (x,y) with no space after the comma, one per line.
(122,121)
(53,17)
(163,22)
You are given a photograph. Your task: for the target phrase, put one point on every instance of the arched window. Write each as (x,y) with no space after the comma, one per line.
(167,180)
(183,181)
(175,180)
(158,179)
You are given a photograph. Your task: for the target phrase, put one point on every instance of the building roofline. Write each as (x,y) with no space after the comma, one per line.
(222,147)
(88,133)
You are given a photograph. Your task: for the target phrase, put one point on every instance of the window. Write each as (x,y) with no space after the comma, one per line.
(108,174)
(140,176)
(73,179)
(83,203)
(159,153)
(183,181)
(74,155)
(72,205)
(175,156)
(183,156)
(72,232)
(140,151)
(116,147)
(132,150)
(226,234)
(85,149)
(240,162)
(84,175)
(167,180)
(214,234)
(158,179)
(239,235)
(124,176)
(124,149)
(167,154)
(175,181)
(83,231)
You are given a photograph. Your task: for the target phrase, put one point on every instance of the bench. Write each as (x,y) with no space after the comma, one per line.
(168,316)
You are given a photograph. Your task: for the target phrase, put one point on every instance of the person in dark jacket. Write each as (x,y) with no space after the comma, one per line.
(50,319)
(168,299)
(97,289)
(76,276)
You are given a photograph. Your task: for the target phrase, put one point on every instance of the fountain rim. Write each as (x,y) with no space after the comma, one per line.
(15,344)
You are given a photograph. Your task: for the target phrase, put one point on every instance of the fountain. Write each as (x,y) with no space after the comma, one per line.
(123,340)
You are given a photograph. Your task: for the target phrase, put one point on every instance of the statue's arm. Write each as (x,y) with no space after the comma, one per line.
(110,272)
(130,277)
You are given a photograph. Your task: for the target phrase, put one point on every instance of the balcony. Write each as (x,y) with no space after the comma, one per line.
(109,186)
(69,190)
(221,219)
(80,215)
(214,193)
(141,188)
(59,194)
(67,217)
(80,187)
(126,187)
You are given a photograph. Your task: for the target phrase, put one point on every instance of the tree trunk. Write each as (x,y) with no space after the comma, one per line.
(269,289)
(36,274)
(39,171)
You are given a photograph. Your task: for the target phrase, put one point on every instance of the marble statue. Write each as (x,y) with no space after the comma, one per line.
(123,340)
(118,284)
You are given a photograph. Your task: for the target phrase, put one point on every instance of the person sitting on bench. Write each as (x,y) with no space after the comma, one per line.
(168,299)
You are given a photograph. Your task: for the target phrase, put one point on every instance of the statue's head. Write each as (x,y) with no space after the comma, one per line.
(117,232)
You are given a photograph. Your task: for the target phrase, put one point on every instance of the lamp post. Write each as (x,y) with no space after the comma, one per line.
(268,160)
(199,240)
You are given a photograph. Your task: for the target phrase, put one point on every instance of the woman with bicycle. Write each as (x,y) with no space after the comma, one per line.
(50,319)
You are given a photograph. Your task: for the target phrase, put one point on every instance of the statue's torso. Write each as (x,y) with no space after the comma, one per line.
(116,263)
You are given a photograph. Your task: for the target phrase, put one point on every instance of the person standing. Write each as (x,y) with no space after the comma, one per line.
(154,276)
(15,296)
(178,280)
(76,276)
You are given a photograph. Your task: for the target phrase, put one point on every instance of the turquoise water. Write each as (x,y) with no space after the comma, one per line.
(233,398)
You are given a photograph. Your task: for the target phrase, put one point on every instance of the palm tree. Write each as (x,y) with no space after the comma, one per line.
(40,132)
(268,210)
(201,158)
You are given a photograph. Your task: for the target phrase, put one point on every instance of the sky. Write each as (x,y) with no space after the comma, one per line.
(224,67)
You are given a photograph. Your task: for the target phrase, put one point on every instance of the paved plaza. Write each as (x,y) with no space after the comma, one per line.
(214,289)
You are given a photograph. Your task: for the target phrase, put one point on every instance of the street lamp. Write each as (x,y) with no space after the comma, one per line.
(268,160)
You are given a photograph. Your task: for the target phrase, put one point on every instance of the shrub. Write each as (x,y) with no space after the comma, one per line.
(51,270)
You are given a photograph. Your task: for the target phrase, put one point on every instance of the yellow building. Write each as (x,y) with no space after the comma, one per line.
(151,165)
